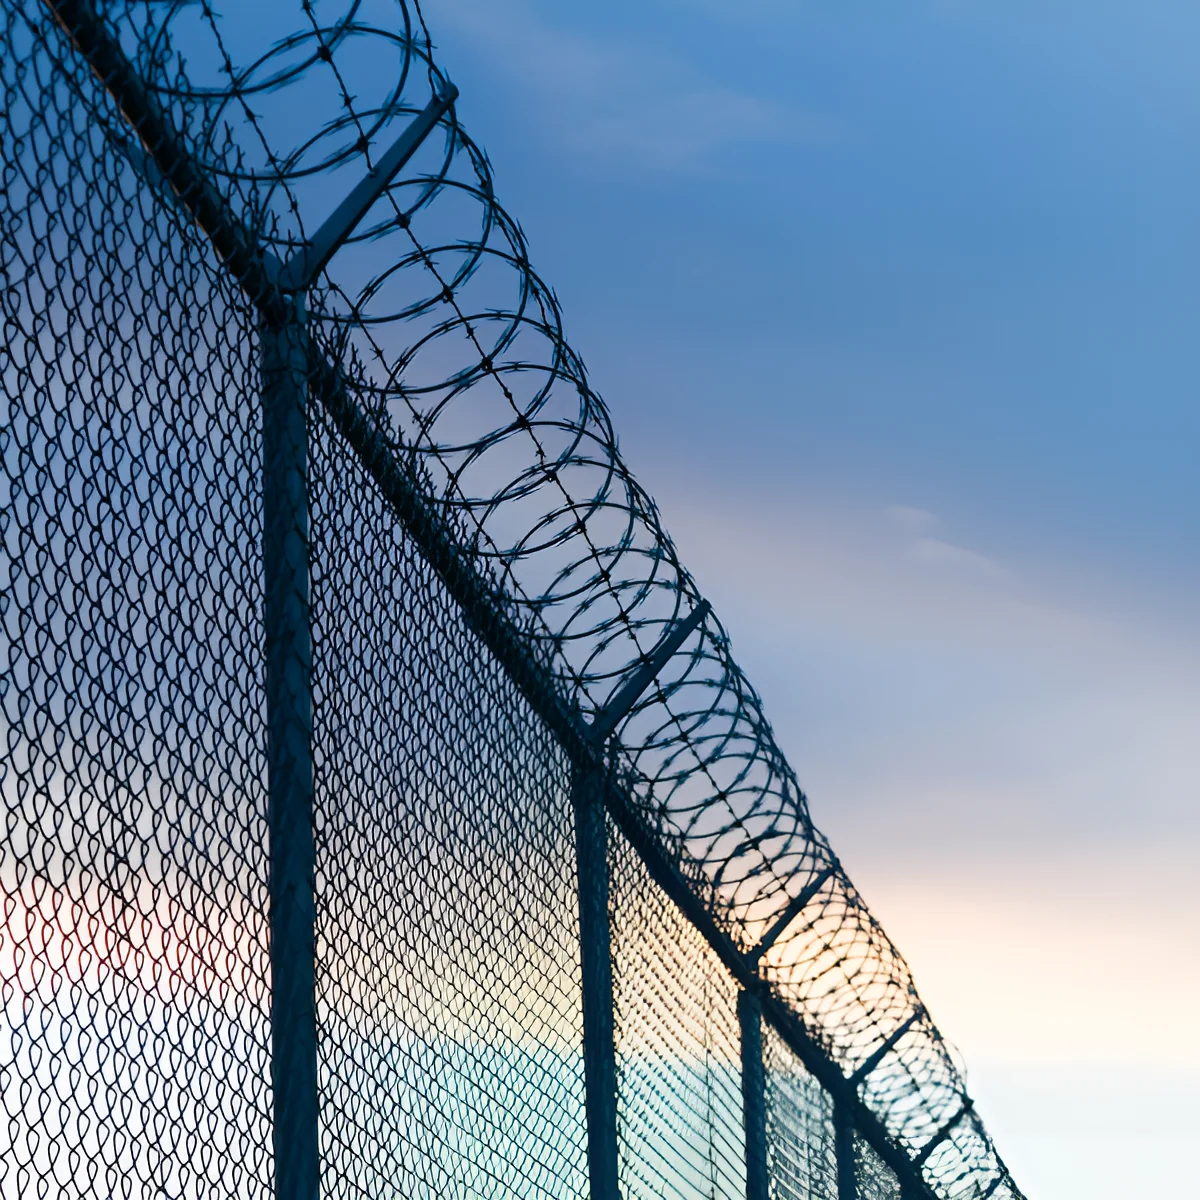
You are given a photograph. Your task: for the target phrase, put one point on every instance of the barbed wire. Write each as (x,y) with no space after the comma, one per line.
(456,345)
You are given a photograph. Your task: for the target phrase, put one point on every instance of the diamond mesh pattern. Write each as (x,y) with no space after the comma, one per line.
(448,976)
(679,1077)
(799,1127)
(133,1033)
(874,1179)
(800,1145)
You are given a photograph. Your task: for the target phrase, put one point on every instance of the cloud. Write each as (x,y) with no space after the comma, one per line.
(946,554)
(916,524)
(935,694)
(910,520)
(600,96)
(683,126)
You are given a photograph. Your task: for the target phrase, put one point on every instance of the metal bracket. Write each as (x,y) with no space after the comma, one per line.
(607,719)
(789,914)
(877,1057)
(309,261)
(942,1134)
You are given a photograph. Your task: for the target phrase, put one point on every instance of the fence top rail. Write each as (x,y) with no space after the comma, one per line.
(428,312)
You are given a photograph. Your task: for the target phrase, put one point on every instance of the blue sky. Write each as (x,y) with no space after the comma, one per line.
(895,310)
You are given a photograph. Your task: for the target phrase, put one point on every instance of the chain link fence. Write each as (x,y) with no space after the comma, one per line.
(385,813)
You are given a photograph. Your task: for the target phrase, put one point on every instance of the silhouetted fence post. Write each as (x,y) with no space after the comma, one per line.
(290,791)
(843,1148)
(754,1095)
(595,945)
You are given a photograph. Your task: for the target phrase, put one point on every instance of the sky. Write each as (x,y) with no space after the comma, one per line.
(894,308)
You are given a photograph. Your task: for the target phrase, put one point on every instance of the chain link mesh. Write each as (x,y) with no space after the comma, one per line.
(679,1080)
(874,1179)
(447,940)
(802,1160)
(136,954)
(134,1044)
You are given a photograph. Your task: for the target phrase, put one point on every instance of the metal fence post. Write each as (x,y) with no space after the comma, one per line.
(843,1148)
(754,1095)
(595,945)
(289,757)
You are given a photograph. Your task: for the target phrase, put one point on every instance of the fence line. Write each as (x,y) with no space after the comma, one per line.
(672,745)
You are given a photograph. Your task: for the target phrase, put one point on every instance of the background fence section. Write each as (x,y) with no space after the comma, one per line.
(385,813)
(448,986)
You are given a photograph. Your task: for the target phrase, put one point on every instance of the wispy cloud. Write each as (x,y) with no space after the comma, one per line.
(910,520)
(610,98)
(945,554)
(953,699)
(916,524)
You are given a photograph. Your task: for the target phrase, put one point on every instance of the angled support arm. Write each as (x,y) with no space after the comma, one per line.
(789,914)
(941,1135)
(877,1057)
(609,717)
(309,261)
